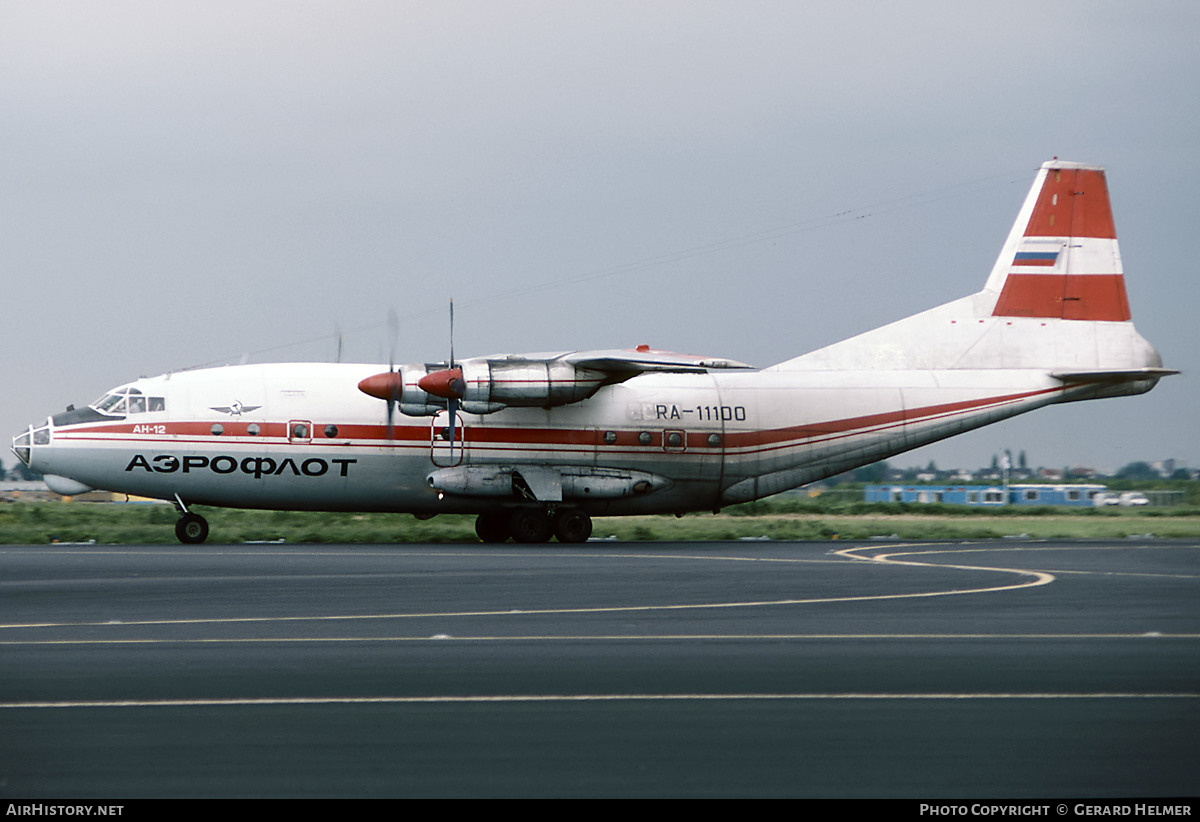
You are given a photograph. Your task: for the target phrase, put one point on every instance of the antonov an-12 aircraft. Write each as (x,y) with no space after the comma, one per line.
(537,445)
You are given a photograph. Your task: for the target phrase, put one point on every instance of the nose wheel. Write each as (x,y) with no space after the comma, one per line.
(191,529)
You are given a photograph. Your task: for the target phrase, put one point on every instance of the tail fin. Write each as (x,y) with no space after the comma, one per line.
(1061,260)
(1055,300)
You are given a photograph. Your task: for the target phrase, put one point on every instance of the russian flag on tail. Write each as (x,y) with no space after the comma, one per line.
(1035,258)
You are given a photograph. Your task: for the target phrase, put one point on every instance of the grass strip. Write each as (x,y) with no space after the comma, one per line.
(34,523)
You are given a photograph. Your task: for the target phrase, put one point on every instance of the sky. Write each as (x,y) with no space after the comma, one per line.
(206,183)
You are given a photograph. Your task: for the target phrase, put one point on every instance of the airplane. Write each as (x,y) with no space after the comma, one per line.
(537,445)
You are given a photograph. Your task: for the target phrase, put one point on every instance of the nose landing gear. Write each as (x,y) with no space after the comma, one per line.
(190,528)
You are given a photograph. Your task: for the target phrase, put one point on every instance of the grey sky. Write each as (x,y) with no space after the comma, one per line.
(186,183)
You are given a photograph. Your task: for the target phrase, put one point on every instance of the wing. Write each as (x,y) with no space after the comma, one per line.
(621,364)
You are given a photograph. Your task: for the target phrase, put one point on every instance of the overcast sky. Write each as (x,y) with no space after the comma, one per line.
(187,183)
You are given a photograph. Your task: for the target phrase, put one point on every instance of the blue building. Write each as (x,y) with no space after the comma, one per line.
(1076,495)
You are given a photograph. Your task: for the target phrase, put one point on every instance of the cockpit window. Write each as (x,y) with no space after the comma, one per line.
(127,400)
(110,404)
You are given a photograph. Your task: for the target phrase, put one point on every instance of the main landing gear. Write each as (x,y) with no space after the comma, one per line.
(532,525)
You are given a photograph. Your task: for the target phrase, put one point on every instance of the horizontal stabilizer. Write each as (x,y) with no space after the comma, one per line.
(1127,375)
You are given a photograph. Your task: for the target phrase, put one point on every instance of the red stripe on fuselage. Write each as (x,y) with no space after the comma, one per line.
(835,429)
(521,439)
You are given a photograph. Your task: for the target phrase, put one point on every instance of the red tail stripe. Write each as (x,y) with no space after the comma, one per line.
(1073,203)
(1064,296)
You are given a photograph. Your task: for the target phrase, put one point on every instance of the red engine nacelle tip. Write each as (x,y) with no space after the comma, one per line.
(386,386)
(447,384)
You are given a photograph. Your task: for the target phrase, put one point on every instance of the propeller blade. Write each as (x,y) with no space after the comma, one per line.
(456,386)
(396,386)
(393,336)
(388,386)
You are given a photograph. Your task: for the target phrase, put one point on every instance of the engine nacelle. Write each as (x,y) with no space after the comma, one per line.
(527,383)
(414,401)
(483,386)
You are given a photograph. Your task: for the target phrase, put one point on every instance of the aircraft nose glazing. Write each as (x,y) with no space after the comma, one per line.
(23,443)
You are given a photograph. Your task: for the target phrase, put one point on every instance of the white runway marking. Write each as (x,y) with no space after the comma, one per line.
(597,638)
(552,698)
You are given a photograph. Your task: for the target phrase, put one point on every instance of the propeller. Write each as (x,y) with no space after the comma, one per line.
(460,386)
(448,384)
(396,384)
(388,386)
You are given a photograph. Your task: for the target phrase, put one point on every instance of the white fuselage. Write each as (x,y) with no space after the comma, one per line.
(711,439)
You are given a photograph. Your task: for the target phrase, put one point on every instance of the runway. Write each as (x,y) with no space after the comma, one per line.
(946,670)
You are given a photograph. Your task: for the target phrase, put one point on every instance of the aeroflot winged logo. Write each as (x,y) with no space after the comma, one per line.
(236,410)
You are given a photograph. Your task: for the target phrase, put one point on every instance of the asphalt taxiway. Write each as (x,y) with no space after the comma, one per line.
(998,669)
